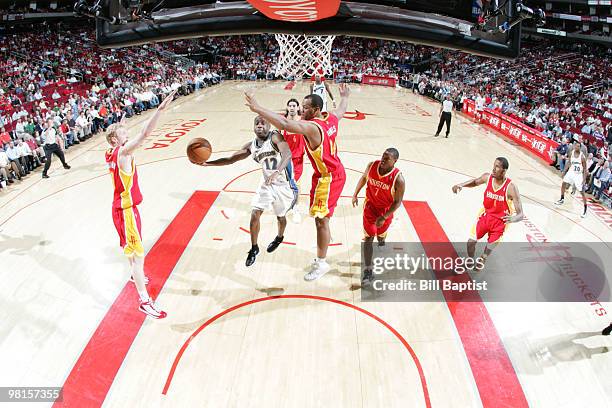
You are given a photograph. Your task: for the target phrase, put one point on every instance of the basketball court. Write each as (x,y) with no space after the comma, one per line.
(262,336)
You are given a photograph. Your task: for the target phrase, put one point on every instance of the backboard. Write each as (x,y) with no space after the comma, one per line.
(449,24)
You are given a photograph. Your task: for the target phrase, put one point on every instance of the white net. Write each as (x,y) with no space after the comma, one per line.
(304,55)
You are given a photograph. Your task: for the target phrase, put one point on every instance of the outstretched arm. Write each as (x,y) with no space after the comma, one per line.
(344,94)
(241,154)
(133,144)
(362,182)
(285,152)
(328,90)
(471,183)
(302,127)
(514,195)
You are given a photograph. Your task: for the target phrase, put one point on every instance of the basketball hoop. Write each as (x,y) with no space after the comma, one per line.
(304,55)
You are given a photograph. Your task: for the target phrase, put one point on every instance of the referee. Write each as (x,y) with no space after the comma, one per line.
(445,115)
(51,145)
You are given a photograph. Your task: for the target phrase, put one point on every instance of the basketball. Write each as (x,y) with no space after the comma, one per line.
(199,150)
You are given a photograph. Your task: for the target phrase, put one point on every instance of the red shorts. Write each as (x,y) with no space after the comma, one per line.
(298,167)
(127,224)
(489,224)
(370,214)
(325,192)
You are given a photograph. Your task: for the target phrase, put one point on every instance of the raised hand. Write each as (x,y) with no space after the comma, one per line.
(456,188)
(251,102)
(166,102)
(344,90)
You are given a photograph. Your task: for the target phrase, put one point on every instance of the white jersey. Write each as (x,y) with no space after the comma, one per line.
(576,163)
(267,154)
(319,89)
(575,173)
(282,193)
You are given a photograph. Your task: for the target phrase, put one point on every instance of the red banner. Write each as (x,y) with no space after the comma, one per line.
(469,108)
(378,80)
(529,138)
(297,10)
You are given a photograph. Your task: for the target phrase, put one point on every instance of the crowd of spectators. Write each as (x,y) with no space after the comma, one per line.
(80,89)
(255,57)
(354,57)
(559,93)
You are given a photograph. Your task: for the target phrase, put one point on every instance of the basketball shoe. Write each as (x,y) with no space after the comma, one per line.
(368,276)
(252,255)
(274,244)
(319,268)
(149,308)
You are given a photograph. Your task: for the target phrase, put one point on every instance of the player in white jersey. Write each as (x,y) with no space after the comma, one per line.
(321,88)
(277,188)
(575,174)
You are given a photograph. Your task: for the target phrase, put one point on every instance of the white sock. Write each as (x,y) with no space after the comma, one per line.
(321,260)
(144,296)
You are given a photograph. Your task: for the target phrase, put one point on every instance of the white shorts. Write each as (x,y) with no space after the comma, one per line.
(574,179)
(324,104)
(281,197)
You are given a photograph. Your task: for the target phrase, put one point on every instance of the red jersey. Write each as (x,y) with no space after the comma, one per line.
(324,158)
(296,143)
(127,192)
(496,202)
(32,144)
(5,137)
(380,189)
